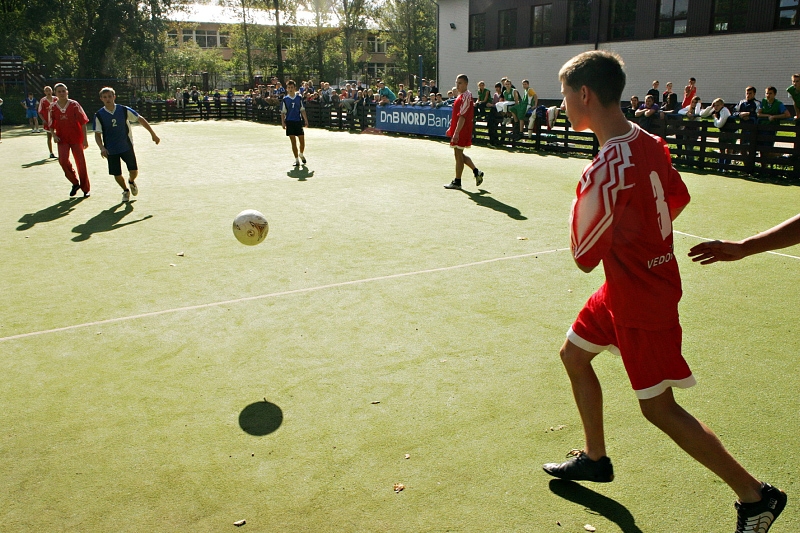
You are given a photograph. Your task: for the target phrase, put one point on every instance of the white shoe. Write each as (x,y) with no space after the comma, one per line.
(133,187)
(126,196)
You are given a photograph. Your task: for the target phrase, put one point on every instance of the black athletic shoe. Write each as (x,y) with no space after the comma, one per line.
(581,468)
(303,158)
(453,185)
(478,177)
(758,517)
(74,190)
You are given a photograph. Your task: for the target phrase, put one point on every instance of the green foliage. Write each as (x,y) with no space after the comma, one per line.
(410,27)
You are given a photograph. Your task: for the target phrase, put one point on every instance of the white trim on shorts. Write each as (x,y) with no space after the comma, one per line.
(643,394)
(583,344)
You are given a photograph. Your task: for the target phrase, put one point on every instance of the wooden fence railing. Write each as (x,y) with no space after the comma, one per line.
(771,150)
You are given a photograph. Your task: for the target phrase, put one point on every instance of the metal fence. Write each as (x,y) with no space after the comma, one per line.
(765,150)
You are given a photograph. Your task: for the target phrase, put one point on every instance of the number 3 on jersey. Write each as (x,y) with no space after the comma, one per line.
(664,219)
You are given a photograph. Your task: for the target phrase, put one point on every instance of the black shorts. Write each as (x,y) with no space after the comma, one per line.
(114,165)
(294,127)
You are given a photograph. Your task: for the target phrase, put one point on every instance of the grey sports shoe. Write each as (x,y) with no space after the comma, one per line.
(134,188)
(758,517)
(580,468)
(453,185)
(126,196)
(478,177)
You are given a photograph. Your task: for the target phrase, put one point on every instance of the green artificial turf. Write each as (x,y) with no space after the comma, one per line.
(383,317)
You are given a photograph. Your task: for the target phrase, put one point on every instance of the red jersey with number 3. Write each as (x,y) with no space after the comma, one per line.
(462,107)
(622,217)
(68,123)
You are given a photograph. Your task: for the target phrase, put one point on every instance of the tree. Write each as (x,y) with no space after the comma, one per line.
(322,10)
(352,20)
(411,27)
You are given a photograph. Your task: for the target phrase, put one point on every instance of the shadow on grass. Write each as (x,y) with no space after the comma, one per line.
(482,200)
(39,162)
(260,418)
(301,173)
(107,220)
(602,505)
(48,214)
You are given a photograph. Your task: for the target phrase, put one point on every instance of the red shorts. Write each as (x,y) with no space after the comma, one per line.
(652,358)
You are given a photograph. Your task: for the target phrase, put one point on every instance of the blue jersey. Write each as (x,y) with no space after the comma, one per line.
(30,103)
(291,107)
(115,127)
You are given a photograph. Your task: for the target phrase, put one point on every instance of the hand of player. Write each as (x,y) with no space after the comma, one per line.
(454,139)
(155,138)
(85,144)
(710,252)
(103,152)
(56,139)
(283,125)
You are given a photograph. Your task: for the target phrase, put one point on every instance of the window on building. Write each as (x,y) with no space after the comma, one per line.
(622,20)
(477,32)
(375,45)
(507,28)
(188,35)
(672,15)
(172,36)
(541,24)
(579,20)
(211,39)
(223,39)
(730,15)
(788,14)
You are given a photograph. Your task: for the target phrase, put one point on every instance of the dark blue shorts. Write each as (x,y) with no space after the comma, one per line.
(115,165)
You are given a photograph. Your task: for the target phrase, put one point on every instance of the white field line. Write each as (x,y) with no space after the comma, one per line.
(274,295)
(707,239)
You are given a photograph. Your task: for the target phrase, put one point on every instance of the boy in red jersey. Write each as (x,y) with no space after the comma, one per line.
(44,113)
(627,198)
(460,132)
(68,124)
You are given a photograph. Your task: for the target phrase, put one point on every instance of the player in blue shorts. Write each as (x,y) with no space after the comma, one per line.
(292,111)
(113,135)
(30,104)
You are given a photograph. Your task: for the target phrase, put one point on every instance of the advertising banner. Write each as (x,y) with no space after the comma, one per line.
(412,119)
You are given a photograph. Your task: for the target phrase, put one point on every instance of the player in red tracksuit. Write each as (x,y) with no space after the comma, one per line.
(460,132)
(626,201)
(68,124)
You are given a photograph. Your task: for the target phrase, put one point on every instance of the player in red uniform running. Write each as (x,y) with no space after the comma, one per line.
(68,124)
(627,198)
(44,113)
(460,132)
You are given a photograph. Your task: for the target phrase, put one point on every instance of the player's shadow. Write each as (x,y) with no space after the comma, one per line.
(107,220)
(39,162)
(48,214)
(300,173)
(260,418)
(597,503)
(483,200)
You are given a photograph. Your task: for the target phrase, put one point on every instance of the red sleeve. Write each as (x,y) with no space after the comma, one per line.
(598,198)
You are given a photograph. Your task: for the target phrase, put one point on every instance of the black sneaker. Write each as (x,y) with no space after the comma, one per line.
(758,517)
(453,185)
(52,156)
(581,468)
(478,177)
(74,190)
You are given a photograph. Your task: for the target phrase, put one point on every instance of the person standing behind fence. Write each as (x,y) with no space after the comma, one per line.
(68,124)
(689,91)
(292,111)
(44,114)
(112,133)
(460,132)
(794,92)
(179,97)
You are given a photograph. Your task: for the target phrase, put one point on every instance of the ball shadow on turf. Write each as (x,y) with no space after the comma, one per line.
(260,418)
(602,505)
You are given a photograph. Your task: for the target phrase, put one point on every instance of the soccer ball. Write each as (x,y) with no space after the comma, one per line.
(250,227)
